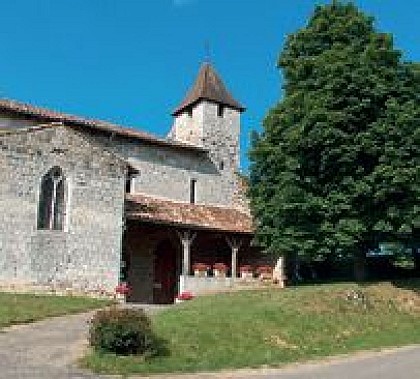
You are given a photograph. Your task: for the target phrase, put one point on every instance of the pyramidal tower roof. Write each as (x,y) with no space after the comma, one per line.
(208,86)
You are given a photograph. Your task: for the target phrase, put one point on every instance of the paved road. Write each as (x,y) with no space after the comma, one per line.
(403,363)
(48,350)
(45,349)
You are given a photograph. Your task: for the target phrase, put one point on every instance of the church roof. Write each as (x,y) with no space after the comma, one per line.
(208,86)
(91,142)
(163,211)
(46,115)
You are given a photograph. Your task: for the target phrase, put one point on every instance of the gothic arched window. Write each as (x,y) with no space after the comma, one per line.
(52,206)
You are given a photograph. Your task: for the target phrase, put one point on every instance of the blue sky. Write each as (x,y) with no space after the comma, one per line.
(132,61)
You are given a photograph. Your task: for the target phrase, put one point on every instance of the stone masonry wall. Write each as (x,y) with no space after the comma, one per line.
(219,135)
(216,175)
(221,138)
(166,172)
(187,128)
(86,255)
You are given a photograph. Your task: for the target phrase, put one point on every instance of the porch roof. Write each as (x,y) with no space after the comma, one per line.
(199,216)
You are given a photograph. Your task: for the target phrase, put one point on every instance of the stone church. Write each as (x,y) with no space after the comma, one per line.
(86,204)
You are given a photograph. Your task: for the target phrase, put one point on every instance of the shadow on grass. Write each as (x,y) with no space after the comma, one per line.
(412,284)
(161,347)
(408,282)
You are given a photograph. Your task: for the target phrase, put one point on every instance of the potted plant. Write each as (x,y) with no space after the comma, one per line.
(265,272)
(200,269)
(246,272)
(220,270)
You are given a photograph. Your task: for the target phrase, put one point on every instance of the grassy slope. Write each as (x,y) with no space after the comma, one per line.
(271,327)
(23,308)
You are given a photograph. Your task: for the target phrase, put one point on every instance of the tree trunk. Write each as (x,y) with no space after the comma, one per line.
(416,260)
(292,268)
(360,266)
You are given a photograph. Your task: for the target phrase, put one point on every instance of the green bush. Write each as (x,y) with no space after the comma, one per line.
(122,331)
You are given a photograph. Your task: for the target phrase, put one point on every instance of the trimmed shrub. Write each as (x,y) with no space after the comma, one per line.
(122,331)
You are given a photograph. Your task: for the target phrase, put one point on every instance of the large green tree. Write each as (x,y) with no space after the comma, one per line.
(337,166)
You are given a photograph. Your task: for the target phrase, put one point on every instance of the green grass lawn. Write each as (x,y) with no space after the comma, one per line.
(273,327)
(24,308)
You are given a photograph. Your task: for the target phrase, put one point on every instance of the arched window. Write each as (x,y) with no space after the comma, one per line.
(52,206)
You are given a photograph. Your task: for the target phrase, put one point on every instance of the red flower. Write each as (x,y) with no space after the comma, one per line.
(185,296)
(200,267)
(245,268)
(220,267)
(123,289)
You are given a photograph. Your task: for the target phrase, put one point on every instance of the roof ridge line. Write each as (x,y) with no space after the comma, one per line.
(41,113)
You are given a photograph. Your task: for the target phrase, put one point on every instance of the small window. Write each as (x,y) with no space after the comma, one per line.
(130,181)
(220,110)
(221,165)
(52,207)
(193,183)
(128,184)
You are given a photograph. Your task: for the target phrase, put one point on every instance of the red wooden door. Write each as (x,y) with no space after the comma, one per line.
(165,278)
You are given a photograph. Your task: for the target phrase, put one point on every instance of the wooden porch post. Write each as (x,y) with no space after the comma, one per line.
(235,244)
(186,237)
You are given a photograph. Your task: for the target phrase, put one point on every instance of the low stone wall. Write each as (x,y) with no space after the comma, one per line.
(199,285)
(207,285)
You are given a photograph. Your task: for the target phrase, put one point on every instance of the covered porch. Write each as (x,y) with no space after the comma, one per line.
(170,248)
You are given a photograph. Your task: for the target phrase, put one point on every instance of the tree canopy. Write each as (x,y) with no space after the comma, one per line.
(337,166)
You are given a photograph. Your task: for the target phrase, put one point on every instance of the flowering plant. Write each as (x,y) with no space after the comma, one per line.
(220,267)
(264,269)
(123,289)
(185,296)
(200,267)
(245,268)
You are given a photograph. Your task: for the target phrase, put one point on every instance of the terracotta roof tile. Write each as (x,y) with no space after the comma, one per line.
(43,114)
(199,216)
(208,86)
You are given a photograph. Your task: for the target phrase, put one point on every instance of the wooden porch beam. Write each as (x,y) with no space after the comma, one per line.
(235,244)
(187,238)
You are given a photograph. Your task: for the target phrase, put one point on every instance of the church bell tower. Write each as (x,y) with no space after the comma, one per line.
(210,117)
